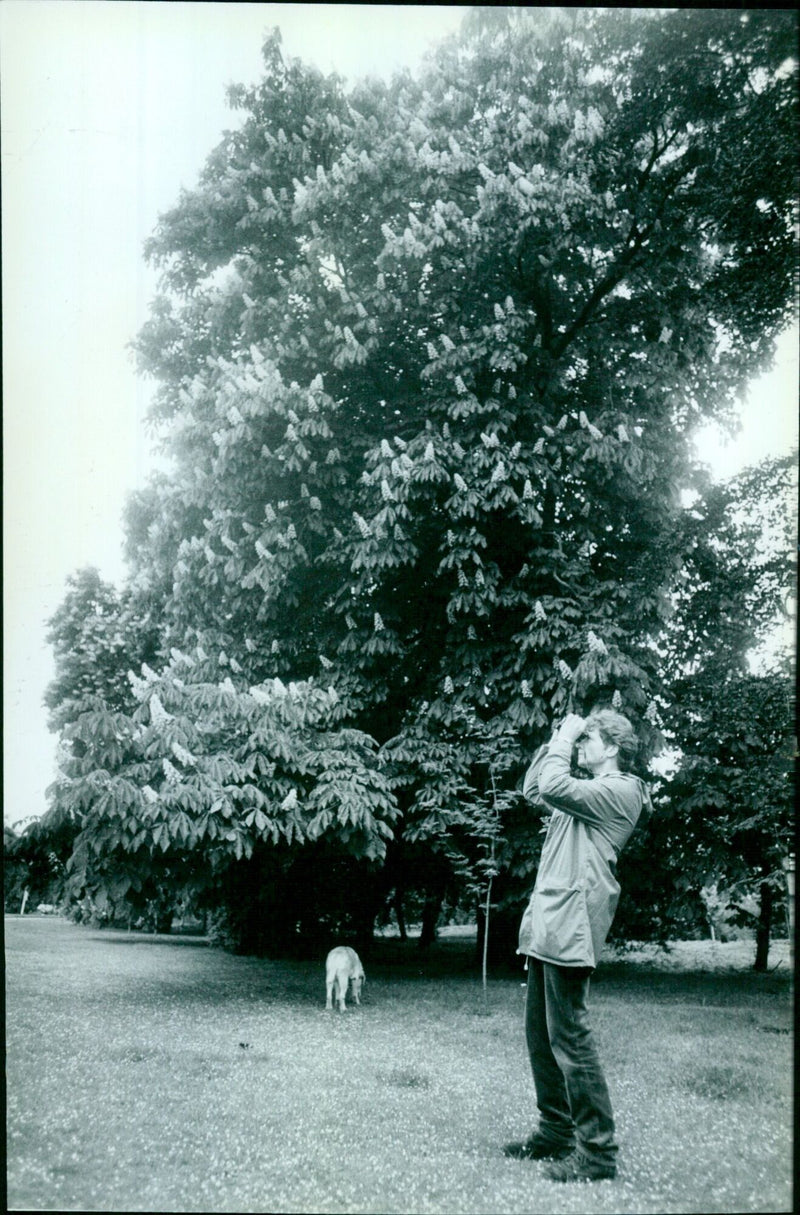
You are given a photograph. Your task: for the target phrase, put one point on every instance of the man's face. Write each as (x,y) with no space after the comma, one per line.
(592,750)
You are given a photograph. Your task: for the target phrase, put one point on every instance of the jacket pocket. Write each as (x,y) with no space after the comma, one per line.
(559,926)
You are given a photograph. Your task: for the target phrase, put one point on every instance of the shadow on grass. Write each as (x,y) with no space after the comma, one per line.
(122,937)
(457,958)
(403,1077)
(721,987)
(391,958)
(394,963)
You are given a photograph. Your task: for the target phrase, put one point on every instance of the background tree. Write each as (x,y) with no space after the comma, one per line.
(96,634)
(199,775)
(34,859)
(95,637)
(734,789)
(728,817)
(428,358)
(15,872)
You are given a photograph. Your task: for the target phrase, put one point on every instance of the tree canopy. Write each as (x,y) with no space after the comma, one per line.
(728,819)
(429,355)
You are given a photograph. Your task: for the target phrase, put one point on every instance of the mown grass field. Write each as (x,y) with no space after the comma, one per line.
(157,1074)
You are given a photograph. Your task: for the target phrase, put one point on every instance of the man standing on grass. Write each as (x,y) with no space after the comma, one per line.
(562,934)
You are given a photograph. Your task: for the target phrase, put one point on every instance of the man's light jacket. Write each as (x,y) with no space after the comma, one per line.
(576,892)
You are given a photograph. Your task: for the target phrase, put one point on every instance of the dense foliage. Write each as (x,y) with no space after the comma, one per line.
(429,355)
(728,818)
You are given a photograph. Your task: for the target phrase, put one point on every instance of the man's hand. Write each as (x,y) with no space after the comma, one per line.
(571,729)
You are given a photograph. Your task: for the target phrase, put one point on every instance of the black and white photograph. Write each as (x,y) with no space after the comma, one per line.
(400,501)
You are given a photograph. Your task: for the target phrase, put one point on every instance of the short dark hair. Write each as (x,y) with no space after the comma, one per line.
(615,730)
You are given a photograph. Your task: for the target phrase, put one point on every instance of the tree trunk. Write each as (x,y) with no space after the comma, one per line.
(788,869)
(479,923)
(430,916)
(484,959)
(399,912)
(763,927)
(503,939)
(364,915)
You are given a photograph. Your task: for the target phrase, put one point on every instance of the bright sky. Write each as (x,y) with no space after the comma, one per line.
(107,110)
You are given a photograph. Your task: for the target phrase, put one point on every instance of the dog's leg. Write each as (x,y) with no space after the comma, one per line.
(329,993)
(342,992)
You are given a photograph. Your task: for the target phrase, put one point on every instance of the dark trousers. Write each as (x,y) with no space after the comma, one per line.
(571,1091)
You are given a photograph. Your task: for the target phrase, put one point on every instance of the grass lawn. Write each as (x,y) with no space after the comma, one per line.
(158,1074)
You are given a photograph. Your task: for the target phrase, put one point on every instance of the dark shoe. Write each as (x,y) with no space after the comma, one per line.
(578,1167)
(538,1147)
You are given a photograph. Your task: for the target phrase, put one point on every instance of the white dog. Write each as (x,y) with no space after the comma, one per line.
(343,966)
